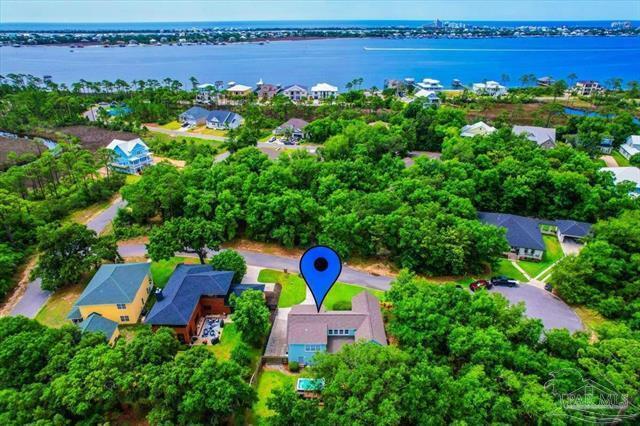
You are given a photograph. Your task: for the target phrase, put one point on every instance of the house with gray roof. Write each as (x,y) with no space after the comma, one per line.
(572,229)
(294,127)
(96,323)
(523,233)
(544,137)
(193,292)
(194,116)
(215,119)
(296,92)
(117,292)
(310,331)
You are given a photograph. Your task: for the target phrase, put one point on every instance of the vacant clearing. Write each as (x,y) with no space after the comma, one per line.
(93,138)
(19,146)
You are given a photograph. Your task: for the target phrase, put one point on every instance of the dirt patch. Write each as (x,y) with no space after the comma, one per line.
(19,146)
(177,163)
(374,267)
(525,114)
(93,138)
(609,160)
(267,248)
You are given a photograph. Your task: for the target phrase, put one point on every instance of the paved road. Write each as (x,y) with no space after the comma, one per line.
(35,297)
(553,312)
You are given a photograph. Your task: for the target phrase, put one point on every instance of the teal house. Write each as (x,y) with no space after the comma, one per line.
(130,156)
(310,332)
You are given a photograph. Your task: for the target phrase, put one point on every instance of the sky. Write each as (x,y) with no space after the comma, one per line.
(265,10)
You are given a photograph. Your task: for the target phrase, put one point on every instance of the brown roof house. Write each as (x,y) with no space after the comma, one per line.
(309,331)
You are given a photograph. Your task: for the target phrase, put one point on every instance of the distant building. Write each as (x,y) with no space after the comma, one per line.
(309,331)
(192,293)
(239,90)
(626,174)
(429,96)
(117,292)
(490,88)
(544,137)
(587,88)
(294,126)
(130,156)
(545,81)
(323,91)
(430,84)
(215,119)
(523,234)
(630,147)
(477,129)
(296,92)
(266,91)
(606,146)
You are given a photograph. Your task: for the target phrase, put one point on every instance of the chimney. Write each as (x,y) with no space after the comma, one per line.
(159,295)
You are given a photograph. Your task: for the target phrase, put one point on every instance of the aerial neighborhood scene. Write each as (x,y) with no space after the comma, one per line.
(319,213)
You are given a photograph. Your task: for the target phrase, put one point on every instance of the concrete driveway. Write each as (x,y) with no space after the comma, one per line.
(541,304)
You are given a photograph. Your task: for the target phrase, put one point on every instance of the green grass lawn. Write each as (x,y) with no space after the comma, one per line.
(506,268)
(173,125)
(161,137)
(552,254)
(54,312)
(341,295)
(293,287)
(131,179)
(267,383)
(622,162)
(162,270)
(230,339)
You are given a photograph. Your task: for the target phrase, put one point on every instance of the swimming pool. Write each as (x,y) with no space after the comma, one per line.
(306,384)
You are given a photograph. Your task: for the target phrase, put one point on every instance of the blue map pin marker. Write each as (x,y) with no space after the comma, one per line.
(320,267)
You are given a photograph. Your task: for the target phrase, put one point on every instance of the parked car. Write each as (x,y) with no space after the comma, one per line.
(548,287)
(504,281)
(477,285)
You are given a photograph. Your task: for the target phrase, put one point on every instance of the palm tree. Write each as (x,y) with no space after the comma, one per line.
(194,82)
(572,78)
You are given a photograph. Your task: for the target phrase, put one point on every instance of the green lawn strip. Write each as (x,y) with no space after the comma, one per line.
(54,312)
(173,125)
(506,268)
(552,254)
(163,137)
(622,162)
(340,295)
(129,331)
(293,287)
(267,382)
(162,270)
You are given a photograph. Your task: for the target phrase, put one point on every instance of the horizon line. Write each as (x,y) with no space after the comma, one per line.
(322,20)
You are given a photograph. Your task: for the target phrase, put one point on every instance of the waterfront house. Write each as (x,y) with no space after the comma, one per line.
(630,147)
(572,229)
(207,93)
(194,116)
(116,292)
(606,145)
(266,91)
(428,96)
(130,156)
(544,137)
(295,92)
(323,91)
(239,90)
(523,234)
(626,174)
(400,86)
(477,129)
(587,88)
(310,331)
(430,85)
(545,81)
(192,293)
(490,88)
(293,127)
(96,323)
(223,120)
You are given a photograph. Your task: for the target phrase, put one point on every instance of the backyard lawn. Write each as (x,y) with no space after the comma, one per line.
(162,270)
(54,312)
(206,131)
(551,255)
(293,287)
(230,339)
(269,381)
(622,162)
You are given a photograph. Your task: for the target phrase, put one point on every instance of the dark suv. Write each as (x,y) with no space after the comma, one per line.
(504,281)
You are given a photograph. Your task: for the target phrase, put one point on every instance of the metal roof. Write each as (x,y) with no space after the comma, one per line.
(114,283)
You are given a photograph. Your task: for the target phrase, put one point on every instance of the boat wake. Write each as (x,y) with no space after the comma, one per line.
(441,49)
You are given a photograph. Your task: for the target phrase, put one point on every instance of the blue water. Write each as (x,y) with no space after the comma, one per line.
(583,113)
(338,61)
(141,26)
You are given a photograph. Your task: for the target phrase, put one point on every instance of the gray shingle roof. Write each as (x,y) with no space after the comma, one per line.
(197,113)
(573,228)
(115,283)
(96,323)
(183,291)
(221,116)
(521,231)
(293,123)
(307,326)
(535,134)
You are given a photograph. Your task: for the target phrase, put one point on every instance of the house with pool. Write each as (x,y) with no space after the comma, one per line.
(310,331)
(130,156)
